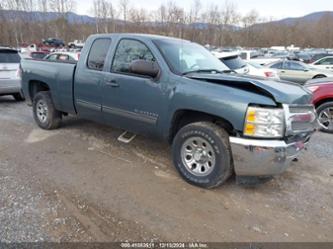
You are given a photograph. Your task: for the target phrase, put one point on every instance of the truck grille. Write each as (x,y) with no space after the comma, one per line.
(300,119)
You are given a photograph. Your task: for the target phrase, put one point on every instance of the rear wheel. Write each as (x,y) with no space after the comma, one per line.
(202,154)
(45,114)
(319,76)
(325,117)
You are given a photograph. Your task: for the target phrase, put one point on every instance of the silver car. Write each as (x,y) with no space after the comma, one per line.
(10,82)
(298,72)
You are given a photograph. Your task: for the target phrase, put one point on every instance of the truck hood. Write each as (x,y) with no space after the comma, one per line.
(283,92)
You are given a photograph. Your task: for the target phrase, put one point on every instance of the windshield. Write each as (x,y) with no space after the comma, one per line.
(9,56)
(184,56)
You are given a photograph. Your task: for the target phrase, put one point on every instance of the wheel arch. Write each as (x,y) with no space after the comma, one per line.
(36,86)
(184,117)
(322,101)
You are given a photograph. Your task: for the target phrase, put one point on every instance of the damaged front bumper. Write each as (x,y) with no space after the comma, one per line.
(263,157)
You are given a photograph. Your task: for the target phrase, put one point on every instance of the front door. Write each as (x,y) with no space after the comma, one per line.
(133,102)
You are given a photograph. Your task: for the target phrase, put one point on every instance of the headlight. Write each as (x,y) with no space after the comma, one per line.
(264,122)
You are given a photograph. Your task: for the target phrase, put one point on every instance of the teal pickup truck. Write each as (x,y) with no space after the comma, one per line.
(218,123)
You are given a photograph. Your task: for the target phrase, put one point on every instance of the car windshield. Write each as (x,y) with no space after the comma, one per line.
(184,57)
(9,56)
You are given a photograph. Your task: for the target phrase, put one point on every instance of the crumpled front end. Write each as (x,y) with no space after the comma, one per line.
(261,157)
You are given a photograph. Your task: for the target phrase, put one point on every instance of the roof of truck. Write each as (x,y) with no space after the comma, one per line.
(148,36)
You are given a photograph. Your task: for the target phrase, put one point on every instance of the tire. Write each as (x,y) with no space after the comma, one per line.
(322,114)
(214,140)
(45,114)
(319,76)
(18,97)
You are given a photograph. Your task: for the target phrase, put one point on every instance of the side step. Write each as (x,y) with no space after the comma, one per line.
(126,137)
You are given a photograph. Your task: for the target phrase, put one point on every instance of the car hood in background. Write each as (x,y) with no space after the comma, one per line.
(281,91)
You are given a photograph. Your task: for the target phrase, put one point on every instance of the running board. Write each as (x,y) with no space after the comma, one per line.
(126,137)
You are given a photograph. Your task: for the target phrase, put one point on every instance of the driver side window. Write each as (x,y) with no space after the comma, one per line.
(127,52)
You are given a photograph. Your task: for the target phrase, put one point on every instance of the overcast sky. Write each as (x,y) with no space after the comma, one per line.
(266,8)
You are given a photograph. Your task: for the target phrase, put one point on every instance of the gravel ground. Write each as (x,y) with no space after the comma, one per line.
(78,183)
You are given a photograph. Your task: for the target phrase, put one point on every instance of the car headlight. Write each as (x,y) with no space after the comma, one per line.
(264,122)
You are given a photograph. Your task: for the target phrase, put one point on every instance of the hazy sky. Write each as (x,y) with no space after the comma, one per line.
(266,8)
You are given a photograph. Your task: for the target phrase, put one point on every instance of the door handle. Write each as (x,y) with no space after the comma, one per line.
(112,83)
(283,71)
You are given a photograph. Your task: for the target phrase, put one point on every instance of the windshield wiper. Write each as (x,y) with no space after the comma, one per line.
(206,71)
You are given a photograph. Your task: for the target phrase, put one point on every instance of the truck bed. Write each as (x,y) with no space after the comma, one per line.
(59,77)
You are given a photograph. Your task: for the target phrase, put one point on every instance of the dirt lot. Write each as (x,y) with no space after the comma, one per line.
(78,183)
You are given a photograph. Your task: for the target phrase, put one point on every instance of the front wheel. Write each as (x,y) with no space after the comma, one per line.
(325,117)
(45,114)
(202,154)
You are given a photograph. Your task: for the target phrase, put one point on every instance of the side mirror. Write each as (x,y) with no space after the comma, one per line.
(145,68)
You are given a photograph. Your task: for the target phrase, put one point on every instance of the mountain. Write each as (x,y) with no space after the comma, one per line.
(310,18)
(36,16)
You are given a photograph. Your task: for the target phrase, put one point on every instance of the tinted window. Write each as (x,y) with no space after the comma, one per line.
(277,65)
(52,57)
(293,66)
(98,53)
(234,62)
(8,56)
(129,51)
(325,61)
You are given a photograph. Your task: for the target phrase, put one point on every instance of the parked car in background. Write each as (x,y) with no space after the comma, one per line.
(218,123)
(256,69)
(323,100)
(54,42)
(63,56)
(10,81)
(318,56)
(298,72)
(38,54)
(325,63)
(76,44)
(233,62)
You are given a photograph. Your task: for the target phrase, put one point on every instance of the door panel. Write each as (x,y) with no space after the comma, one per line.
(88,81)
(132,102)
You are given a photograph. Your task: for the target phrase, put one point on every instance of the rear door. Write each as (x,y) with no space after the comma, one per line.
(9,64)
(88,80)
(295,72)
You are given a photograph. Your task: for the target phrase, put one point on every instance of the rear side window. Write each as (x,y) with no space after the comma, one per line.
(8,56)
(98,52)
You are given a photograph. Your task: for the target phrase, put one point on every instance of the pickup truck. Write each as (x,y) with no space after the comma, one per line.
(218,123)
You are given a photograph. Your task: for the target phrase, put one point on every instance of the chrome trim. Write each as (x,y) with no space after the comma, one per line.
(263,157)
(290,118)
(89,105)
(131,115)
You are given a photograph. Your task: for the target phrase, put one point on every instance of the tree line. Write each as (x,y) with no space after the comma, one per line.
(219,25)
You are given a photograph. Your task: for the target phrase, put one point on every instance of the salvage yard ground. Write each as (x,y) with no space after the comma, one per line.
(78,183)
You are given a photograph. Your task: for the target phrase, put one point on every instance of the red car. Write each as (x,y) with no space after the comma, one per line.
(323,100)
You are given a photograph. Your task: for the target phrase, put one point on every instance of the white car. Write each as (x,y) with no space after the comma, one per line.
(325,63)
(256,69)
(10,80)
(76,44)
(232,61)
(63,56)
